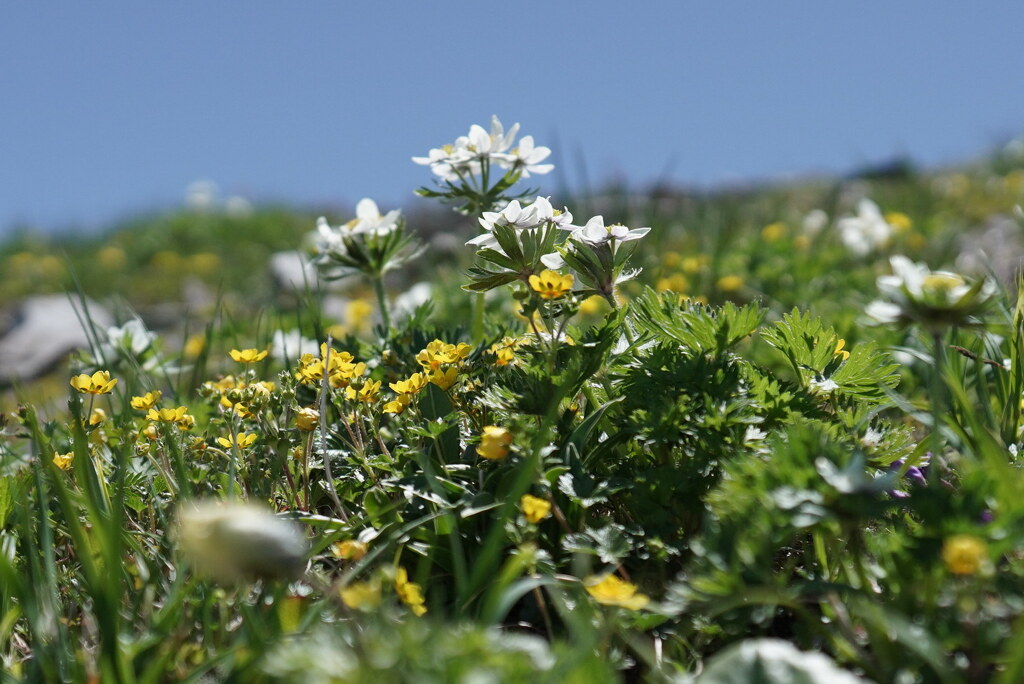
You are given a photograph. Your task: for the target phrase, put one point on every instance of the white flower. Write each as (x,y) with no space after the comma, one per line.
(594,232)
(452,161)
(232,541)
(871,438)
(815,220)
(933,298)
(530,217)
(287,347)
(130,340)
(493,144)
(369,220)
(865,232)
(527,157)
(823,385)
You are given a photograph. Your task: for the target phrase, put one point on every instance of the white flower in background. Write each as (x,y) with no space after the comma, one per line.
(287,347)
(527,158)
(934,298)
(872,438)
(814,221)
(131,338)
(594,232)
(411,299)
(865,232)
(369,220)
(231,541)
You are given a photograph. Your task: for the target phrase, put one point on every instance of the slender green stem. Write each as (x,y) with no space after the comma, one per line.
(382,302)
(477,330)
(937,403)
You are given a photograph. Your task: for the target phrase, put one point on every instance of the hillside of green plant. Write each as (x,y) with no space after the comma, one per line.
(758,434)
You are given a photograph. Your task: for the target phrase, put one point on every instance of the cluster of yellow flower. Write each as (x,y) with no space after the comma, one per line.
(342,368)
(441,361)
(406,390)
(505,350)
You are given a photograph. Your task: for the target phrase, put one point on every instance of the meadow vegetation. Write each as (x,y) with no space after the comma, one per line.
(760,434)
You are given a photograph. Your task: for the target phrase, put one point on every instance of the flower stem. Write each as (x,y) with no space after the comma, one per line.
(382,302)
(938,350)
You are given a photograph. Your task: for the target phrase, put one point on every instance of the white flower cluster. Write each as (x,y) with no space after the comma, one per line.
(469,154)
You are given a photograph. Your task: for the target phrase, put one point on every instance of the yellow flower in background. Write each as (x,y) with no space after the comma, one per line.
(97,416)
(63,461)
(676,282)
(241,440)
(494,443)
(773,232)
(150,432)
(112,258)
(194,346)
(534,508)
(965,554)
(609,590)
(248,355)
(695,264)
(362,595)
(350,549)
(410,592)
(358,314)
(899,221)
(551,284)
(307,419)
(97,383)
(592,305)
(146,401)
(730,283)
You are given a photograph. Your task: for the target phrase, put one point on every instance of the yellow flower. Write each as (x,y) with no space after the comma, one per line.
(242,440)
(368,393)
(194,346)
(414,384)
(609,590)
(97,383)
(146,401)
(964,554)
(551,284)
(63,461)
(899,221)
(248,355)
(801,242)
(438,353)
(97,416)
(676,282)
(592,305)
(840,351)
(150,432)
(534,508)
(307,419)
(445,378)
(410,592)
(361,595)
(173,415)
(350,549)
(730,283)
(773,232)
(398,404)
(494,443)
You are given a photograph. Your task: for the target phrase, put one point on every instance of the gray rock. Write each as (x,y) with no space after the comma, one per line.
(41,331)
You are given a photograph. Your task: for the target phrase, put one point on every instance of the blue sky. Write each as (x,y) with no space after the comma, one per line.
(113,108)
